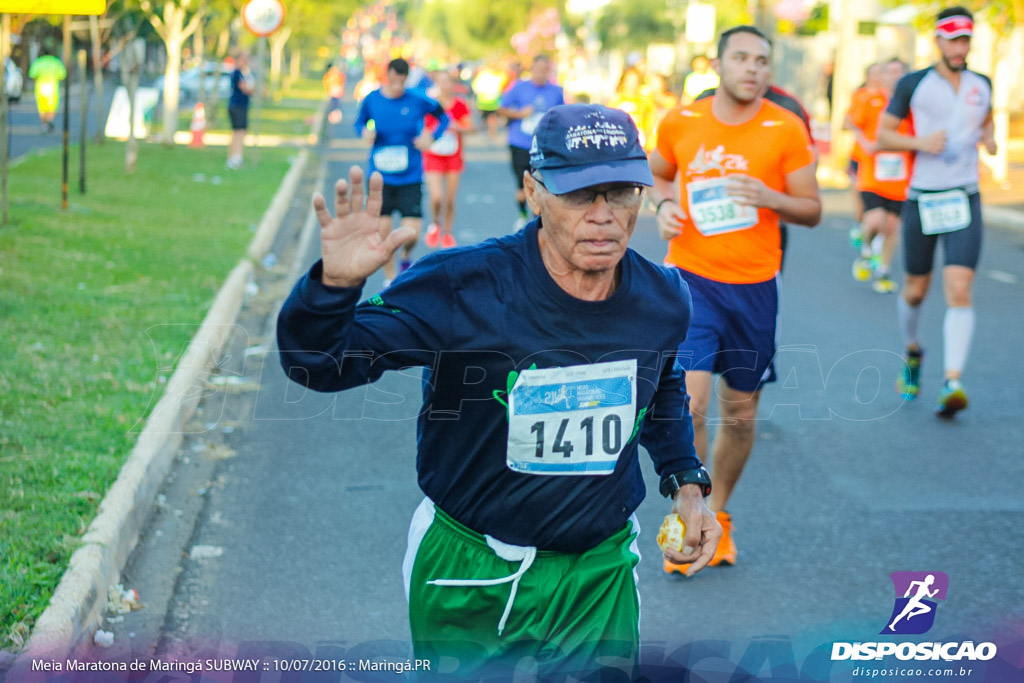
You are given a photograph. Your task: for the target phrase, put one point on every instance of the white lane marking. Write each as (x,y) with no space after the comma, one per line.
(1003,276)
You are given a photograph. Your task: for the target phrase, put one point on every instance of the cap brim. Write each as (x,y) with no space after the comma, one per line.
(562,180)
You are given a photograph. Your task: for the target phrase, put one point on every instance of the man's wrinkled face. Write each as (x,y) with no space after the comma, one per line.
(591,237)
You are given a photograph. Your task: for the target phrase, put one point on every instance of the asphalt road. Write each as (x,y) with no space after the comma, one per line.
(26,133)
(302,505)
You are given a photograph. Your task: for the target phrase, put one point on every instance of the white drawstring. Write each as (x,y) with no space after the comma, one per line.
(510,553)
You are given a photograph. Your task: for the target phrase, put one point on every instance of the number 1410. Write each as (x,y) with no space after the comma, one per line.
(611,436)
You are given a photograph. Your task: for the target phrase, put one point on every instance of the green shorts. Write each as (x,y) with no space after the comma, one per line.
(476,615)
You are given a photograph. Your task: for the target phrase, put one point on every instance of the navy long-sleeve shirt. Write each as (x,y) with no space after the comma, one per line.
(476,318)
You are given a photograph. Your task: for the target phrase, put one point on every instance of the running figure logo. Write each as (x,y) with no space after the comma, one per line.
(914,612)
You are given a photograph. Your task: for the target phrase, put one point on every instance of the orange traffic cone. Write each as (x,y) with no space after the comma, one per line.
(198,126)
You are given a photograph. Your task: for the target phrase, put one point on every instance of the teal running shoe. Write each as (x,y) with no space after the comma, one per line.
(909,381)
(855,237)
(952,399)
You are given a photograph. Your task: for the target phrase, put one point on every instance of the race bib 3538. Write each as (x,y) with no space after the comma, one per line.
(714,211)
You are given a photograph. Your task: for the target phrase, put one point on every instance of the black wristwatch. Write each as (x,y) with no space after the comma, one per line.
(673,482)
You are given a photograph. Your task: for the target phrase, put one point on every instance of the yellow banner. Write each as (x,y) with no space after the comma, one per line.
(53,6)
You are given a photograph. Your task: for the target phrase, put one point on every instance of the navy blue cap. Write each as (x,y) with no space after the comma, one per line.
(581,145)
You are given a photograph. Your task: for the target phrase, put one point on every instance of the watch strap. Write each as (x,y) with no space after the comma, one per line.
(673,482)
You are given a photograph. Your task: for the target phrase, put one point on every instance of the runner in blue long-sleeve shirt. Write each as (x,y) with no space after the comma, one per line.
(550,357)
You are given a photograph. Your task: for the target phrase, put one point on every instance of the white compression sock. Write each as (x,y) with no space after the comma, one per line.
(909,317)
(957,331)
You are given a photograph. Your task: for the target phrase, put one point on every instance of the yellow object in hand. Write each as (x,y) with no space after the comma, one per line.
(670,535)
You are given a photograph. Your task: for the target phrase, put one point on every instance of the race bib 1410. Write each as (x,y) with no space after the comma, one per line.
(574,420)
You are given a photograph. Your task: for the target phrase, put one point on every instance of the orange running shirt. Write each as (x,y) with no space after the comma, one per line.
(886,173)
(857,99)
(721,240)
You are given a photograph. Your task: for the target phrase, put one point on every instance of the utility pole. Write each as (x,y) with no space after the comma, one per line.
(83,113)
(67,111)
(5,41)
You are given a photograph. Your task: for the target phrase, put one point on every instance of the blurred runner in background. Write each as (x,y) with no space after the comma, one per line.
(700,78)
(47,71)
(391,120)
(631,98)
(951,109)
(523,105)
(488,85)
(334,86)
(882,180)
(872,87)
(442,163)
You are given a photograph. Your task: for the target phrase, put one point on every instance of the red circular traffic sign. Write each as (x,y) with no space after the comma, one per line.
(263,17)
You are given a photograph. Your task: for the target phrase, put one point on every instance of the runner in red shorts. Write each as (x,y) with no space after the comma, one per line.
(442,164)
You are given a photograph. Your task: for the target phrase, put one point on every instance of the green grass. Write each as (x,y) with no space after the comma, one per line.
(96,305)
(288,112)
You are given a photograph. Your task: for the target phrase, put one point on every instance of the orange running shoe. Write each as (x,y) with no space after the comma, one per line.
(671,567)
(448,240)
(725,553)
(433,237)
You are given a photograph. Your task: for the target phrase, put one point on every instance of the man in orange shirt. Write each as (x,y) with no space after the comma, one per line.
(743,164)
(334,86)
(882,180)
(872,88)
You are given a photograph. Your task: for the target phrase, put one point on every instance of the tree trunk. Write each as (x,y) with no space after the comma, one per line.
(277,42)
(199,48)
(223,41)
(131,63)
(97,76)
(212,111)
(174,20)
(294,66)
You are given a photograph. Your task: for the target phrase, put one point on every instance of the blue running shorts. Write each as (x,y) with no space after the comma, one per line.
(732,332)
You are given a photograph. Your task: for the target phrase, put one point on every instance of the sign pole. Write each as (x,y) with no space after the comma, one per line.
(5,33)
(84,113)
(261,58)
(261,17)
(67,112)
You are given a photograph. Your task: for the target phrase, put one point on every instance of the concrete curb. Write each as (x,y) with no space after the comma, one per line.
(271,221)
(1003,218)
(79,601)
(310,229)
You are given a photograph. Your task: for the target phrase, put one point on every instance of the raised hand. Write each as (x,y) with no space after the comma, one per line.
(354,242)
